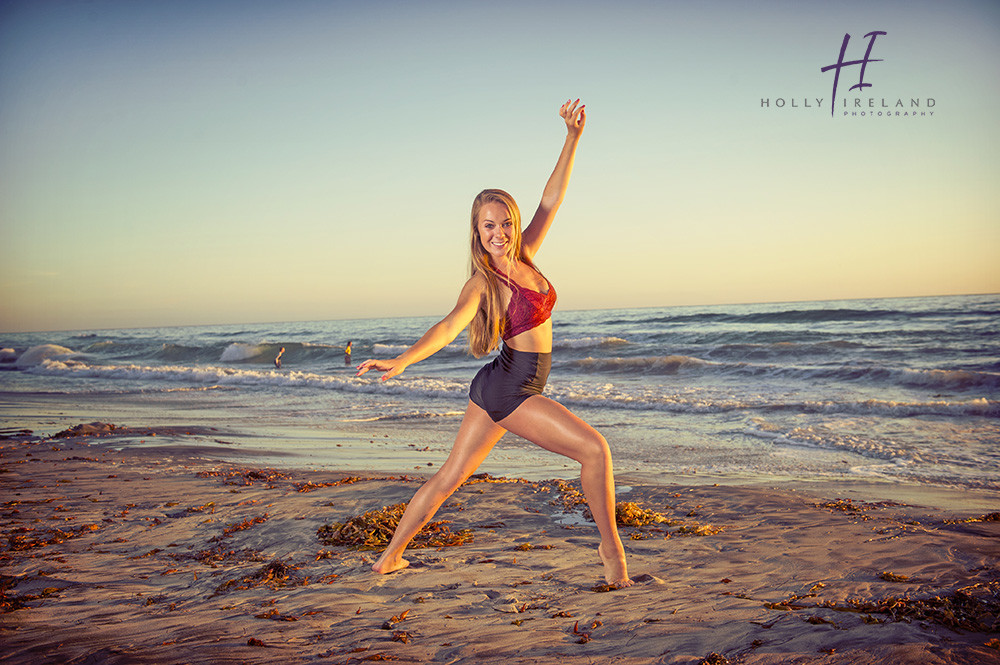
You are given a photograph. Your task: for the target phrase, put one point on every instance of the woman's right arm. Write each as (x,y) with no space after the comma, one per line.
(557,184)
(438,336)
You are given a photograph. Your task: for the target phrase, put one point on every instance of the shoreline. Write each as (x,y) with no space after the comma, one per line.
(386,451)
(153,555)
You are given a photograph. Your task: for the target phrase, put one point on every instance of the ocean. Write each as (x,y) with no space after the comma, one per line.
(899,390)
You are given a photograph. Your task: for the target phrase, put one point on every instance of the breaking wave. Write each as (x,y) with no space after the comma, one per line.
(623,396)
(929,379)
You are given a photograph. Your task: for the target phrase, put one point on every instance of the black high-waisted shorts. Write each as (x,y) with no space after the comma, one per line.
(512,377)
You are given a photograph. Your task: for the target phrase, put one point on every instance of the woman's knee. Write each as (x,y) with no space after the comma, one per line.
(449,478)
(594,447)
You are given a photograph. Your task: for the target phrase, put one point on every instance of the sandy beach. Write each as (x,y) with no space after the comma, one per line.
(158,556)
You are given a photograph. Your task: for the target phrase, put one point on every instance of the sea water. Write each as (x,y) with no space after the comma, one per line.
(899,389)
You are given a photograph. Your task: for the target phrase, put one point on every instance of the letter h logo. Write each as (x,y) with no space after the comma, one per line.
(841,64)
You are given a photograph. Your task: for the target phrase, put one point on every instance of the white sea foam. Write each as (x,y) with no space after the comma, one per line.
(388,349)
(949,379)
(895,471)
(228,376)
(932,379)
(651,398)
(613,395)
(645,365)
(238,351)
(822,437)
(588,342)
(37,355)
(409,415)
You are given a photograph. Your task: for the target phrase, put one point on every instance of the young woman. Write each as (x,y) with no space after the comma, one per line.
(507,297)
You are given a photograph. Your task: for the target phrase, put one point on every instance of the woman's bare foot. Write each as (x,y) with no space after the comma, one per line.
(387,565)
(615,569)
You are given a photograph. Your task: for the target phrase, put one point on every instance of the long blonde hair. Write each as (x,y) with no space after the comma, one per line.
(484,331)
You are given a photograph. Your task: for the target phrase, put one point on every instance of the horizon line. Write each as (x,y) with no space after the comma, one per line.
(418,316)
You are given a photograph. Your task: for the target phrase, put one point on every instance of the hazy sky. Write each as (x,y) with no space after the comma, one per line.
(196,162)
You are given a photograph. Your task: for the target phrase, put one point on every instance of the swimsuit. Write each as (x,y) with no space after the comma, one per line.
(502,385)
(527,308)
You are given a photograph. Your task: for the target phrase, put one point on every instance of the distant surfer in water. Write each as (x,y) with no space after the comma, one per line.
(277,359)
(508,298)
(347,354)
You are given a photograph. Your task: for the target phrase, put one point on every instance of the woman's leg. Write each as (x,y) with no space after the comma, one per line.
(476,437)
(552,426)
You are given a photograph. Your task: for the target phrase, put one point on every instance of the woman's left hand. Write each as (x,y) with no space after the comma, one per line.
(391,368)
(575,116)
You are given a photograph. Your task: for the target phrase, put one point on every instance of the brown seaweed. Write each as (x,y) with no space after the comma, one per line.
(26,538)
(628,513)
(239,526)
(975,608)
(245,477)
(714,659)
(373,530)
(274,575)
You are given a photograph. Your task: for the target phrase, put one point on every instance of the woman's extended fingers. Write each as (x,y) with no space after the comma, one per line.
(365,366)
(379,365)
(389,367)
(574,115)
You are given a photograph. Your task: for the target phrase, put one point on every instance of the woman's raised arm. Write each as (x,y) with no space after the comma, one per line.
(438,336)
(555,189)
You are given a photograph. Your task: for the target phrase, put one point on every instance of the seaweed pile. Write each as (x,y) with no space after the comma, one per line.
(373,530)
(274,575)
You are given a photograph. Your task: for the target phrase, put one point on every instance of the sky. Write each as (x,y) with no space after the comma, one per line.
(204,162)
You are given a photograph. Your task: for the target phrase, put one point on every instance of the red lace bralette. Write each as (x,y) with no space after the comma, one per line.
(527,308)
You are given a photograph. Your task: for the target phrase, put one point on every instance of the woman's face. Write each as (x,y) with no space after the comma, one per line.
(496,229)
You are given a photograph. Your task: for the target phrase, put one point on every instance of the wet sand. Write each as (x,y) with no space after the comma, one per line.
(159,556)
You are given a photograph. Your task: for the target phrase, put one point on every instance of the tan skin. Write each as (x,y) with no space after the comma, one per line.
(538,419)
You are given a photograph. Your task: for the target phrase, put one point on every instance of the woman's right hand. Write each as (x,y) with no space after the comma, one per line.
(575,117)
(393,367)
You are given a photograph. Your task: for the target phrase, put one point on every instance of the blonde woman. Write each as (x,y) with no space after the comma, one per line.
(508,298)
